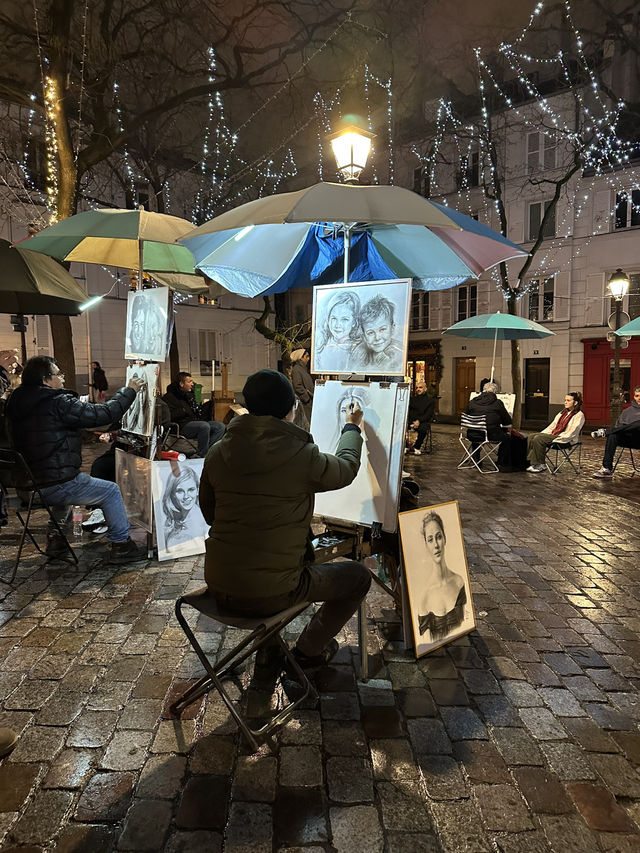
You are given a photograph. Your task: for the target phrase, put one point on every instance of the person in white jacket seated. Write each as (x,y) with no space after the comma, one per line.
(565,428)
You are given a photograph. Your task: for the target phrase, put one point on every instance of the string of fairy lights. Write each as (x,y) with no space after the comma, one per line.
(576,122)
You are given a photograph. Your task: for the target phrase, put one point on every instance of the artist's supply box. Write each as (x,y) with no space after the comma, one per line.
(328,546)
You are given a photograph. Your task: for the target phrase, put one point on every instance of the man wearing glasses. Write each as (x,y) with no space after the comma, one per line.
(46,423)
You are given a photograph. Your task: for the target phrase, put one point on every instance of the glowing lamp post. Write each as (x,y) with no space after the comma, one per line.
(351,147)
(618,287)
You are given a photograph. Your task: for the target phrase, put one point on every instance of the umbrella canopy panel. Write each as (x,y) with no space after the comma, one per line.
(115,238)
(503,327)
(630,330)
(31,283)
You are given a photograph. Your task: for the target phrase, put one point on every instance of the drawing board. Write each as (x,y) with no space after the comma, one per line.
(139,417)
(180,526)
(361,328)
(147,324)
(436,575)
(373,495)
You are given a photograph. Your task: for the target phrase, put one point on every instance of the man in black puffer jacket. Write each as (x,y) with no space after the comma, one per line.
(487,404)
(188,414)
(46,423)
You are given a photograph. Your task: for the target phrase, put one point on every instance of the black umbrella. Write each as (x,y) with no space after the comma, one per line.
(32,283)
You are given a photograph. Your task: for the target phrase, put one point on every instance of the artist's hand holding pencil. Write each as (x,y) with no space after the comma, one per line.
(354,414)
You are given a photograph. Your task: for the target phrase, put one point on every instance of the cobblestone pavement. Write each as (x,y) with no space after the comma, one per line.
(522,736)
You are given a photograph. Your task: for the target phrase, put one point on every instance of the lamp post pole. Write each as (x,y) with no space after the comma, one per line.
(618,286)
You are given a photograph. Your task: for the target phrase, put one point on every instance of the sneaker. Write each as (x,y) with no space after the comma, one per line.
(599,433)
(536,469)
(56,545)
(96,519)
(603,473)
(8,739)
(314,661)
(98,531)
(126,552)
(417,452)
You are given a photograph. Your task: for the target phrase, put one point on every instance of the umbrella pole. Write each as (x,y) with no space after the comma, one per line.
(347,248)
(493,359)
(140,264)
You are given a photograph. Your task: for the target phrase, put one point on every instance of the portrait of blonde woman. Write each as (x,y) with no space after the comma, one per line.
(180,526)
(437,575)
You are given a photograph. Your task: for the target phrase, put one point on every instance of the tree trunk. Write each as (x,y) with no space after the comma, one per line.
(63,349)
(516,369)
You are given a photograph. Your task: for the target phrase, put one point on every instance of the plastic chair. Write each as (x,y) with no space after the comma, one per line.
(16,474)
(563,454)
(486,448)
(262,629)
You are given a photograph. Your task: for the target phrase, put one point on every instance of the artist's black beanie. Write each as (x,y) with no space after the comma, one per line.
(268,392)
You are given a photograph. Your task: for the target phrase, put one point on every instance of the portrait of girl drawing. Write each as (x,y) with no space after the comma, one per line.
(180,527)
(437,576)
(339,332)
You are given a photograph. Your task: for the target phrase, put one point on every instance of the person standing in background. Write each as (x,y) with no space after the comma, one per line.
(100,384)
(302,380)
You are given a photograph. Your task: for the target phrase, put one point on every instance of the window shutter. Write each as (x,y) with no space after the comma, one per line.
(594,307)
(194,351)
(516,221)
(445,308)
(602,206)
(533,151)
(561,300)
(483,297)
(434,310)
(42,335)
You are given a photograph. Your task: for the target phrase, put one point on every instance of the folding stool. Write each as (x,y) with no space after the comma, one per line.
(262,628)
(485,449)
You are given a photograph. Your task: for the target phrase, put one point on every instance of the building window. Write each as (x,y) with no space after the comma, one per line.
(541,298)
(536,213)
(467,301)
(541,151)
(628,209)
(207,342)
(419,310)
(469,173)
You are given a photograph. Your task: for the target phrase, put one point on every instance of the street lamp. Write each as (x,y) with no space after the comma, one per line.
(618,286)
(351,147)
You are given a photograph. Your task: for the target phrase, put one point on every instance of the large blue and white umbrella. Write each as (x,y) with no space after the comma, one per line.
(328,233)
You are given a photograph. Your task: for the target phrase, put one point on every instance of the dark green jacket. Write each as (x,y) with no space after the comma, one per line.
(257,493)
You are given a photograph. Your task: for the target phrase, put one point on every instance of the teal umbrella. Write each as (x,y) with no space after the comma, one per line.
(630,330)
(503,327)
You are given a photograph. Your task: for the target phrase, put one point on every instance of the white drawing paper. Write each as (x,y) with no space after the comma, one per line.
(361,328)
(436,575)
(139,417)
(180,526)
(366,500)
(133,476)
(147,324)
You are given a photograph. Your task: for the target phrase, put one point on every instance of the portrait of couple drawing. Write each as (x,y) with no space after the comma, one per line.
(360,328)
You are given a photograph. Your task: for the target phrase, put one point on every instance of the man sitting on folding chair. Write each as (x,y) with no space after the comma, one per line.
(626,433)
(190,415)
(257,493)
(496,417)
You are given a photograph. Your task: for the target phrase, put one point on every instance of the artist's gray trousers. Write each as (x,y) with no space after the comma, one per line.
(341,586)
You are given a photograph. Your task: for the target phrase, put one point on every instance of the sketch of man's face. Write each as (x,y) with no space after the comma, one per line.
(377,332)
(435,540)
(341,322)
(186,494)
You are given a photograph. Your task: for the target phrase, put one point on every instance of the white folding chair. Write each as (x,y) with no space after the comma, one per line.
(485,449)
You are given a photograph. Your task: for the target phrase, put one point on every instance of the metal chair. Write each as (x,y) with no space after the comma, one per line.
(563,454)
(485,449)
(628,440)
(172,436)
(262,629)
(16,474)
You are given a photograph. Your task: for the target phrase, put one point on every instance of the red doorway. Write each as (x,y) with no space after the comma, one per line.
(598,361)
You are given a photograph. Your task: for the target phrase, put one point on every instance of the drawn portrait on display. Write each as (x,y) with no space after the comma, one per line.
(133,476)
(365,500)
(180,526)
(139,417)
(361,328)
(437,575)
(147,324)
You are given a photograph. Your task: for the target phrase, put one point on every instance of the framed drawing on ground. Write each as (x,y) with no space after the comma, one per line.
(133,476)
(139,417)
(361,328)
(180,526)
(147,324)
(436,575)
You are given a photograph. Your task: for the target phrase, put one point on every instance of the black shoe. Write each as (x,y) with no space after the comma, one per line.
(126,552)
(56,546)
(269,664)
(314,661)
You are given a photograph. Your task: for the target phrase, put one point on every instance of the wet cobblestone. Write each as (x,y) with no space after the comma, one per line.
(523,736)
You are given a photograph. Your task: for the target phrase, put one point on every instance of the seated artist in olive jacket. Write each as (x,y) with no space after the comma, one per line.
(257,493)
